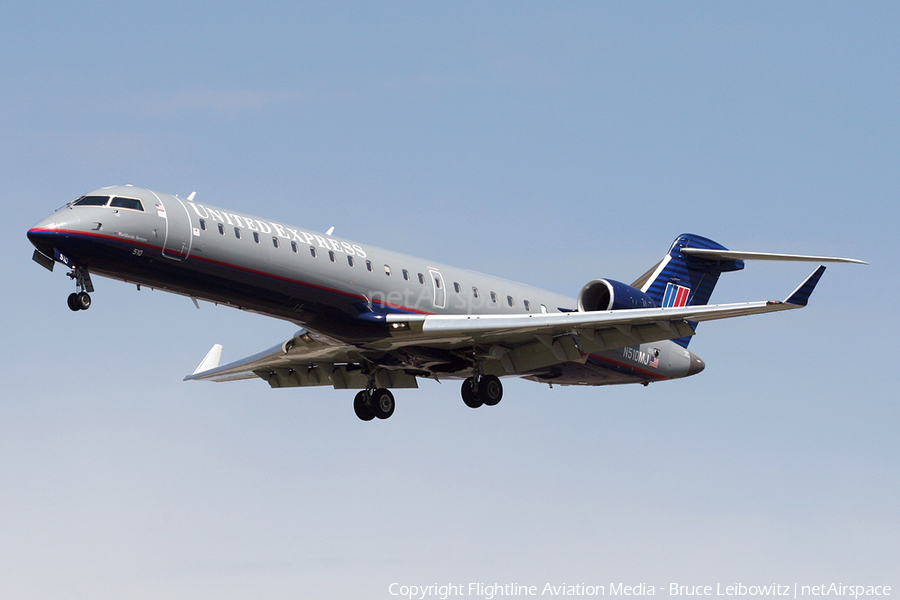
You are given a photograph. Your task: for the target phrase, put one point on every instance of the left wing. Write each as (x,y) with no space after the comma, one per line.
(420,345)
(307,359)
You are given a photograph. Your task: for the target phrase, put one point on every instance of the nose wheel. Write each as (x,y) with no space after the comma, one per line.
(80,300)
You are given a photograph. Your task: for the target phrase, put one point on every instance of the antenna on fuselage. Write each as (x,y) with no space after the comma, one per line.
(191,197)
(330,231)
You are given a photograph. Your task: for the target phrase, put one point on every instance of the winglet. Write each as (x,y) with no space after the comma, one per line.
(800,296)
(211,361)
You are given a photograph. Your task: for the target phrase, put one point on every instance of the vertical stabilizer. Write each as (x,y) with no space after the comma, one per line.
(685,280)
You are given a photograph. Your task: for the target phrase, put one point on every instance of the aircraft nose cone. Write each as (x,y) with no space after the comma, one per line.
(45,234)
(696,365)
(41,236)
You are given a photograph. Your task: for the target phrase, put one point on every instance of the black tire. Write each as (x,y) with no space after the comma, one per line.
(73,302)
(490,390)
(362,406)
(383,403)
(470,393)
(83,300)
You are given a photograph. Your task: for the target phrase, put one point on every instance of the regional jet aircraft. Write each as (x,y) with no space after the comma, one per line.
(375,320)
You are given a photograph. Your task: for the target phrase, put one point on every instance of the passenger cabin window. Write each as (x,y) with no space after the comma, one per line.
(387,270)
(421,279)
(275,241)
(256,237)
(132,204)
(237,232)
(221,229)
(437,282)
(202,224)
(405,275)
(312,251)
(331,255)
(369,265)
(294,247)
(349,260)
(509,299)
(528,306)
(456,287)
(494,297)
(474,292)
(91,201)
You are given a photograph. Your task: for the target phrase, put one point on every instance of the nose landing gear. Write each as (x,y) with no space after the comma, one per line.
(80,300)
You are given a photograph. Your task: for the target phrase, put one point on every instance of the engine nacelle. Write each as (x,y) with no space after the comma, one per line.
(606,294)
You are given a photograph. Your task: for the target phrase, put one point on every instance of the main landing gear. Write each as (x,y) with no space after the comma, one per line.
(80,300)
(476,391)
(375,403)
(483,389)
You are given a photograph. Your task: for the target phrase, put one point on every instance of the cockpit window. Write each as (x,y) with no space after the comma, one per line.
(132,203)
(91,201)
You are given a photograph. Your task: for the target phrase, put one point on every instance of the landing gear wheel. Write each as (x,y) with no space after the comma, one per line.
(362,406)
(490,390)
(470,393)
(73,302)
(382,403)
(83,300)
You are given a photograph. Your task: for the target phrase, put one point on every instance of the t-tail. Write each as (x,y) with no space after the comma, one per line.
(690,270)
(681,279)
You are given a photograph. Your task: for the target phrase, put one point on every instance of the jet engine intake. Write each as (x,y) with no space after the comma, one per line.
(606,294)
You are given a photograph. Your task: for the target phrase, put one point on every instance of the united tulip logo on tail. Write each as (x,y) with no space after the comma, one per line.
(676,296)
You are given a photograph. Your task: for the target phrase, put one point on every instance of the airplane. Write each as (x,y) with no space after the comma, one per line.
(374,320)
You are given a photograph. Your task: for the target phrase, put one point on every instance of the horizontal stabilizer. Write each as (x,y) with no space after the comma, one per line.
(211,361)
(800,296)
(715,254)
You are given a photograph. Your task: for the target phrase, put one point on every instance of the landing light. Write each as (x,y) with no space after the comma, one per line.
(399,326)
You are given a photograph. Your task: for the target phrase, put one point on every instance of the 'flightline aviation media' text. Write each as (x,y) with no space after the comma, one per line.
(492,591)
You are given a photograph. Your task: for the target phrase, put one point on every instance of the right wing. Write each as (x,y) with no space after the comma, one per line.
(435,345)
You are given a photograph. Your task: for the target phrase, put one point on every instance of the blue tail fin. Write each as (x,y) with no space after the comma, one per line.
(682,280)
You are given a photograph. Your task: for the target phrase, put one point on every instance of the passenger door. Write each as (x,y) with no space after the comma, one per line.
(177,245)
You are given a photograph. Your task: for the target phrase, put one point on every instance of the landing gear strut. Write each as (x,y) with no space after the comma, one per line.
(376,403)
(80,300)
(482,389)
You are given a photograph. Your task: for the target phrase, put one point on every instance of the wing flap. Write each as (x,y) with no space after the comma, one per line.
(340,377)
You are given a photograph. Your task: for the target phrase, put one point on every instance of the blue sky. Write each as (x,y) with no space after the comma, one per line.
(549,144)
